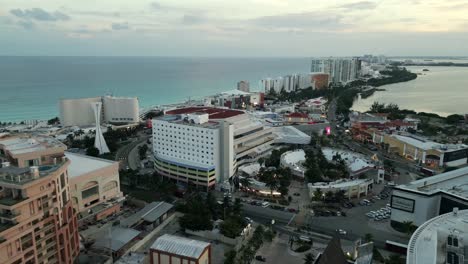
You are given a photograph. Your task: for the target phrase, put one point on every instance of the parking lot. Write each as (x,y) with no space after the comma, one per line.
(357,224)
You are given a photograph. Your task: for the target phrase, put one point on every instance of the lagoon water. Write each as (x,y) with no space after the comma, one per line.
(441,90)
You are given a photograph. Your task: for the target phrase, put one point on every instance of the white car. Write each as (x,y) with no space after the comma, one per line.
(341,231)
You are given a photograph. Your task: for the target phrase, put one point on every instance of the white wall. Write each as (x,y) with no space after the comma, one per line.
(77,112)
(186,144)
(425,208)
(121,109)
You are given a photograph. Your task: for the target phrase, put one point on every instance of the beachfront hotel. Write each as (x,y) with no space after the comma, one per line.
(115,110)
(203,146)
(37,220)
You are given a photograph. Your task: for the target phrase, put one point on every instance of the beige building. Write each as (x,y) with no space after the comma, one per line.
(169,249)
(37,220)
(429,153)
(93,181)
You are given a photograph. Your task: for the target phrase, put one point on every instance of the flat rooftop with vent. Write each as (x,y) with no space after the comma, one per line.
(421,200)
(453,182)
(441,240)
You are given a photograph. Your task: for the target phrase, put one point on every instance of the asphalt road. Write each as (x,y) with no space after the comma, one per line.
(265,215)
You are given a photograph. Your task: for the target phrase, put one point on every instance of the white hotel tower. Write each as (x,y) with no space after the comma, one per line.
(203,146)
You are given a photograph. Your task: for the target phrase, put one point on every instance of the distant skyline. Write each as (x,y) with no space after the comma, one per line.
(242,28)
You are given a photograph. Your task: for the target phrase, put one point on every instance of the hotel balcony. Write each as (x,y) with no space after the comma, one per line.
(14,176)
(8,214)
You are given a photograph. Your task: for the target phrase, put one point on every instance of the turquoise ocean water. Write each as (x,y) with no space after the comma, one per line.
(30,87)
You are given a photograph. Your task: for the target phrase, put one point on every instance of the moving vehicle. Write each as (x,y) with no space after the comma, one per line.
(341,231)
(260,258)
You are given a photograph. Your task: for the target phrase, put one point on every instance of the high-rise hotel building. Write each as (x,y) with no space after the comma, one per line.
(37,220)
(340,70)
(203,146)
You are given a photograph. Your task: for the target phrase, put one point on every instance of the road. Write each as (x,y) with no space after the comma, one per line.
(123,153)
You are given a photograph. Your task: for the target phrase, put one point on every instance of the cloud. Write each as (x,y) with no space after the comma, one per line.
(39,14)
(362,5)
(97,13)
(305,21)
(120,26)
(26,24)
(192,19)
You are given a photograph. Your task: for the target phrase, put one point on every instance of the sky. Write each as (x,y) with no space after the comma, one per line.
(224,28)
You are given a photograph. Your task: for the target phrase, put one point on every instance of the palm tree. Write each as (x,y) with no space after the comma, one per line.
(309,258)
(368,237)
(318,194)
(408,227)
(272,182)
(245,182)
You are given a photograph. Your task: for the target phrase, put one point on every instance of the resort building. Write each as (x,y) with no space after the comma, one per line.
(204,145)
(423,151)
(169,249)
(37,220)
(427,198)
(440,240)
(352,188)
(94,184)
(115,110)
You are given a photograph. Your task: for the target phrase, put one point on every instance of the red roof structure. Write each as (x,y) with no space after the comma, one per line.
(213,113)
(297,115)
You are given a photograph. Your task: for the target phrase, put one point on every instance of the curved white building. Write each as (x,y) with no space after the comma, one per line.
(294,160)
(115,110)
(440,240)
(120,109)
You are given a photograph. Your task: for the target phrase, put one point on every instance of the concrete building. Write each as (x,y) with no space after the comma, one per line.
(320,81)
(93,181)
(115,110)
(204,145)
(340,70)
(243,86)
(169,249)
(37,220)
(352,188)
(427,198)
(440,240)
(423,151)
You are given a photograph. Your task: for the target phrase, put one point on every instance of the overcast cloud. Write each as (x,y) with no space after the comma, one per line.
(234,28)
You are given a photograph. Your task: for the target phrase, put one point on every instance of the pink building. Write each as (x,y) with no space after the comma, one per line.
(37,221)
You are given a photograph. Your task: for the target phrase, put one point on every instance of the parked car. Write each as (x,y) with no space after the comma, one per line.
(265,204)
(260,258)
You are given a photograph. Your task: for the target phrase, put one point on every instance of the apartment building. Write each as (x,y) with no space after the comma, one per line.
(37,220)
(340,70)
(204,145)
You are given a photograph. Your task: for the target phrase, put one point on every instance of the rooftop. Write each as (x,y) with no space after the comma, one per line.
(213,113)
(453,182)
(355,162)
(117,239)
(291,135)
(429,244)
(82,164)
(150,213)
(20,176)
(26,144)
(425,144)
(180,246)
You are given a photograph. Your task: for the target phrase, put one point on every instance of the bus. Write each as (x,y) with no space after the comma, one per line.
(396,247)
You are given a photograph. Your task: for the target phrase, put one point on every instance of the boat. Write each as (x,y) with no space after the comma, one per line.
(425,70)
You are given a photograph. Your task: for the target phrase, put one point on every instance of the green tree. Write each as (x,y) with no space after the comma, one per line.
(53,121)
(408,227)
(368,237)
(245,182)
(318,194)
(92,151)
(309,258)
(272,182)
(394,259)
(454,119)
(230,257)
(339,195)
